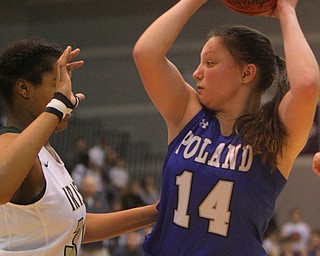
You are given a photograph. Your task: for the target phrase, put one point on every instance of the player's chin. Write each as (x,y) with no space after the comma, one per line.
(202,100)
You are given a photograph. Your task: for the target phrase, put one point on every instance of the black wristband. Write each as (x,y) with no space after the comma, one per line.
(60,105)
(54,111)
(63,99)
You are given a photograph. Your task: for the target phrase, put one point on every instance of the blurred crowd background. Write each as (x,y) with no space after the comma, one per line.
(115,142)
(102,176)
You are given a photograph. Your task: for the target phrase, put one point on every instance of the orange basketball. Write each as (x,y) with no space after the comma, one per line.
(250,7)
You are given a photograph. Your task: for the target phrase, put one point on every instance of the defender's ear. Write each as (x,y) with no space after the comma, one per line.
(23,88)
(249,73)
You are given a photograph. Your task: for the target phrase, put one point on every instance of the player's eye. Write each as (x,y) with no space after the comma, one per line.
(209,63)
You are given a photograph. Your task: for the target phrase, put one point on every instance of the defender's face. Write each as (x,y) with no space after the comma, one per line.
(44,93)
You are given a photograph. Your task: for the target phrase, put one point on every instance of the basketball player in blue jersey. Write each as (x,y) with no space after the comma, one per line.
(41,210)
(228,158)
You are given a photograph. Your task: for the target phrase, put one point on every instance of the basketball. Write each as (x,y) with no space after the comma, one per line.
(250,7)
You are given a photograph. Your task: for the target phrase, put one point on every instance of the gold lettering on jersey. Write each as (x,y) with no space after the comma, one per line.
(73,196)
(195,147)
(72,250)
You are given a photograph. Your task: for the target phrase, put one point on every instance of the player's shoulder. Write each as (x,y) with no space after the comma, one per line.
(8,134)
(9,129)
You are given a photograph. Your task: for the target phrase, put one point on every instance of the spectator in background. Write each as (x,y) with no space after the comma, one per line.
(297,232)
(272,244)
(149,193)
(95,203)
(118,175)
(271,241)
(94,200)
(132,246)
(130,195)
(286,248)
(98,153)
(116,206)
(314,243)
(77,154)
(88,167)
(104,157)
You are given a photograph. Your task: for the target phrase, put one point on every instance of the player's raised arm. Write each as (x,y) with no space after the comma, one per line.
(297,109)
(161,79)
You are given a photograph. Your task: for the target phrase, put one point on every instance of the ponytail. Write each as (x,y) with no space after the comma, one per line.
(264,131)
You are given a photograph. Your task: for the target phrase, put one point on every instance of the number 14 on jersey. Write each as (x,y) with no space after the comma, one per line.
(214,207)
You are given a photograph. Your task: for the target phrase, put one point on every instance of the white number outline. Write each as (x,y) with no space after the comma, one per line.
(215,207)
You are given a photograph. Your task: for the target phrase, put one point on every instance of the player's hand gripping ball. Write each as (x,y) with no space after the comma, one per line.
(251,7)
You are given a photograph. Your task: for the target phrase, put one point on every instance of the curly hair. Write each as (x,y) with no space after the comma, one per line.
(26,59)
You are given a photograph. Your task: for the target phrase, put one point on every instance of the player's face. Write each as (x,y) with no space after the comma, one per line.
(44,93)
(218,75)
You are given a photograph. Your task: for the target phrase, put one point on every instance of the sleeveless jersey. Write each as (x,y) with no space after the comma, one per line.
(54,225)
(217,198)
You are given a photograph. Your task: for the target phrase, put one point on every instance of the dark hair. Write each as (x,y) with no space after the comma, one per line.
(28,59)
(264,130)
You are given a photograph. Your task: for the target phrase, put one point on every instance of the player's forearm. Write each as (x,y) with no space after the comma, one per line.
(302,66)
(108,225)
(162,33)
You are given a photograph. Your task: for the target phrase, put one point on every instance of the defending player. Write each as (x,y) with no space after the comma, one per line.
(41,210)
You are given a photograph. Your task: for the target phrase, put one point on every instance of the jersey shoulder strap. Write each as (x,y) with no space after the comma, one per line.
(6,129)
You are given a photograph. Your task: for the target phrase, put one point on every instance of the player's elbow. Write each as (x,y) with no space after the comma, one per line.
(310,89)
(146,53)
(139,53)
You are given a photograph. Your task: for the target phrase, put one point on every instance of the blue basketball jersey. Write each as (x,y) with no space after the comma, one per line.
(217,197)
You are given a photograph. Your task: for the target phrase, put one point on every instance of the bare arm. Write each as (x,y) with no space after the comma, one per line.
(316,164)
(19,152)
(298,107)
(108,225)
(162,80)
